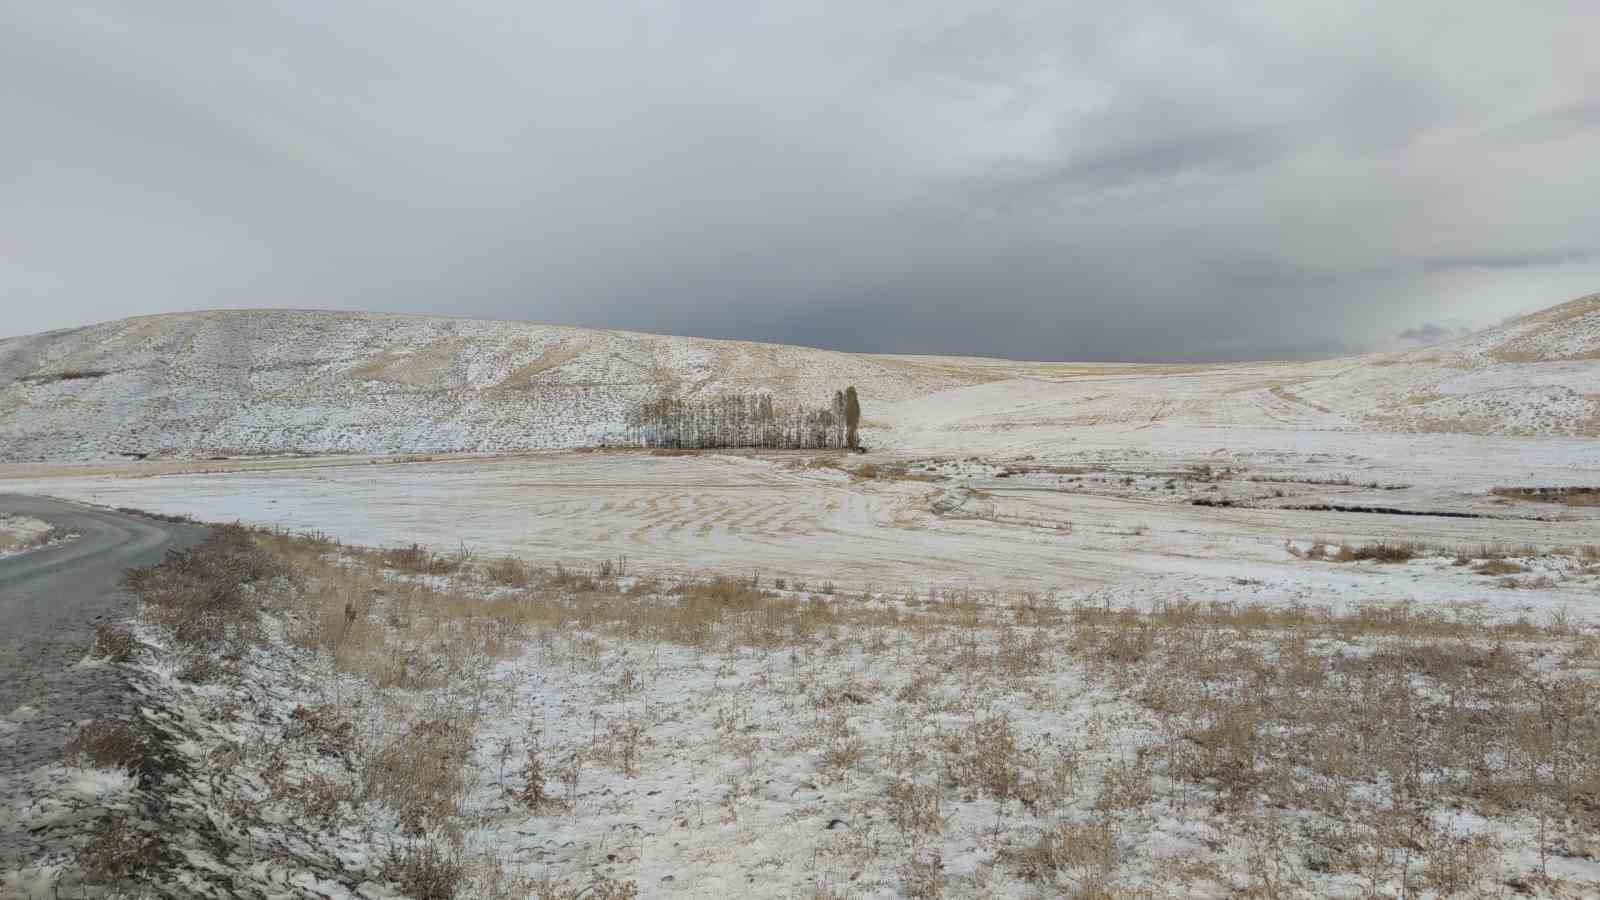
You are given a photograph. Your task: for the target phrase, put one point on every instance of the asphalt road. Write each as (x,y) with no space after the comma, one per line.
(51,599)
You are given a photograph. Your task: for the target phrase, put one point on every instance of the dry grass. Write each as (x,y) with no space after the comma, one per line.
(535,792)
(418,773)
(873,471)
(419,560)
(1498,567)
(508,571)
(1083,853)
(915,807)
(1382,551)
(119,849)
(1405,551)
(323,728)
(1356,719)
(209,596)
(600,889)
(114,643)
(426,870)
(1569,496)
(1329,742)
(108,744)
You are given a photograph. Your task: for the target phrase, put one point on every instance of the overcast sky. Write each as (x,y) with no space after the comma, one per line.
(1102,179)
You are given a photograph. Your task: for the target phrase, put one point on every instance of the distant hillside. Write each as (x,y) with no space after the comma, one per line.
(1538,374)
(265,381)
(279,380)
(1566,333)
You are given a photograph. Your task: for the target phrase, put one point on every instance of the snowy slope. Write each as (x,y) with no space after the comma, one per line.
(1536,375)
(279,381)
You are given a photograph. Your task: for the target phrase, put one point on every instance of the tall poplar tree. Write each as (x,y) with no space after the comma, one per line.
(852,417)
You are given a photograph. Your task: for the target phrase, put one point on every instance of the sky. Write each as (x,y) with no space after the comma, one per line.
(1102,179)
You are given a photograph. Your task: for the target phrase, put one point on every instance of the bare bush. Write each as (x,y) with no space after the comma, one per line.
(1381,551)
(114,643)
(1085,852)
(985,757)
(600,889)
(509,571)
(109,744)
(621,745)
(534,793)
(922,874)
(915,807)
(209,595)
(425,870)
(202,668)
(322,728)
(118,850)
(418,773)
(419,560)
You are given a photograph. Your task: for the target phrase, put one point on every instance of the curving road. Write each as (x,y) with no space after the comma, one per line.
(51,599)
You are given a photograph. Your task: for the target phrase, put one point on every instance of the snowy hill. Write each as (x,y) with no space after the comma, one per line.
(265,381)
(1539,374)
(280,380)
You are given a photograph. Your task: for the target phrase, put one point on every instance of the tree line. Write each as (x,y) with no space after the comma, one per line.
(745,420)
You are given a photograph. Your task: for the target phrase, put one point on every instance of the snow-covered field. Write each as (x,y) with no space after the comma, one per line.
(1109,512)
(1065,629)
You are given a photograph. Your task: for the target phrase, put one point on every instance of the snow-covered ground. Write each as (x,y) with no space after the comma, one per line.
(1107,512)
(19,534)
(619,736)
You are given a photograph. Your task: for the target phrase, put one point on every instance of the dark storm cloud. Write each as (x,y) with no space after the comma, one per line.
(1155,180)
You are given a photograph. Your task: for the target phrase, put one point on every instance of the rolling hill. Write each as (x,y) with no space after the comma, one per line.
(266,381)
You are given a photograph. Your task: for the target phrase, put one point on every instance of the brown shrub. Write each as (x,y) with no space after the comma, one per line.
(509,571)
(419,560)
(915,807)
(114,643)
(419,772)
(323,728)
(1381,551)
(621,745)
(426,871)
(1446,711)
(1085,851)
(209,595)
(534,793)
(985,757)
(109,744)
(922,874)
(201,668)
(117,851)
(601,889)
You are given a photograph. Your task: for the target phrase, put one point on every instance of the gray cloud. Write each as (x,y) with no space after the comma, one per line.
(1157,180)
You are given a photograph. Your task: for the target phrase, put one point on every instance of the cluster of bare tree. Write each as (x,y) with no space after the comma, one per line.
(745,420)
